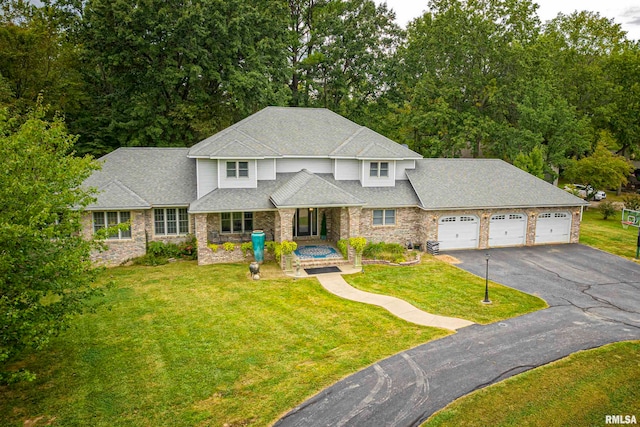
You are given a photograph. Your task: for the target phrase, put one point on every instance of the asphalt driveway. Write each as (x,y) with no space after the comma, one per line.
(593,297)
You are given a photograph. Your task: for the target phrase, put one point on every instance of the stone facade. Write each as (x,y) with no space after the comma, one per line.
(412,225)
(117,252)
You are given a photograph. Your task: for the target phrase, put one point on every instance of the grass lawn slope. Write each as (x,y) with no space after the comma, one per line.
(580,390)
(182,345)
(608,235)
(440,288)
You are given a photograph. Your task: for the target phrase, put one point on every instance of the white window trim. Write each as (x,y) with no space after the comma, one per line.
(166,222)
(236,169)
(384,218)
(378,170)
(106,224)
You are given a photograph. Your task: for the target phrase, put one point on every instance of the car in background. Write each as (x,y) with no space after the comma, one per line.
(585,190)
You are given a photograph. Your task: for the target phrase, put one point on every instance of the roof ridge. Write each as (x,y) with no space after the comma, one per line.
(349,139)
(258,142)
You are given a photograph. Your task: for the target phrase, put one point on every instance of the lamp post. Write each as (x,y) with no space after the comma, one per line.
(486,299)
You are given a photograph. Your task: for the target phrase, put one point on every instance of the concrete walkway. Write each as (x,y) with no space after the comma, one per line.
(334,283)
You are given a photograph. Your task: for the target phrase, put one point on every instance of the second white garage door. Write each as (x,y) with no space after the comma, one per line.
(458,232)
(553,227)
(508,230)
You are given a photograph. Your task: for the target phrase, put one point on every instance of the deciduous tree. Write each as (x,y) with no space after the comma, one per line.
(45,271)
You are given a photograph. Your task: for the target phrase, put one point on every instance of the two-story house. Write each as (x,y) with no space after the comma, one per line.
(287,170)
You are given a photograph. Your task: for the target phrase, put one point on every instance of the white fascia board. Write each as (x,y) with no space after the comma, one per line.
(458,208)
(125,208)
(231,211)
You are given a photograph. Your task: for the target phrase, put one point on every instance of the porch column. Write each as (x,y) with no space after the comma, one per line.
(354,221)
(284,225)
(485,221)
(204,253)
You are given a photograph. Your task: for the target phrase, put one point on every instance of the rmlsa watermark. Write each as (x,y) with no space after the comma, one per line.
(620,419)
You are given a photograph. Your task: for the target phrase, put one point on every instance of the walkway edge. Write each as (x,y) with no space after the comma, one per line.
(336,284)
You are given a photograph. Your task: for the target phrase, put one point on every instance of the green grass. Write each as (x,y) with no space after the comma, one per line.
(608,235)
(182,345)
(440,288)
(579,390)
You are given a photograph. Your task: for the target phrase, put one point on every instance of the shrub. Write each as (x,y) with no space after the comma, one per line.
(342,247)
(358,244)
(246,247)
(607,209)
(189,248)
(373,250)
(288,247)
(213,247)
(393,252)
(229,246)
(161,249)
(632,201)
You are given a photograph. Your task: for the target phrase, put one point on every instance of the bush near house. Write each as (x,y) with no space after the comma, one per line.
(392,252)
(159,253)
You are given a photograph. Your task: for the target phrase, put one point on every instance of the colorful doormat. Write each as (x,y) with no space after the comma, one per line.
(322,270)
(317,252)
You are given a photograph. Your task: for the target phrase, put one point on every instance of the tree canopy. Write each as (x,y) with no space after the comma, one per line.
(45,270)
(468,77)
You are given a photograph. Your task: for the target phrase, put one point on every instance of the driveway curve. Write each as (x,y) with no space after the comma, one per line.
(593,297)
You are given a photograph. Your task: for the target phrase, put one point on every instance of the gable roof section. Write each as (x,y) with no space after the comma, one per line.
(299,132)
(116,196)
(307,189)
(482,183)
(155,176)
(231,143)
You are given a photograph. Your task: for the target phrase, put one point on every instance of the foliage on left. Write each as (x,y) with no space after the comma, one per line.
(45,269)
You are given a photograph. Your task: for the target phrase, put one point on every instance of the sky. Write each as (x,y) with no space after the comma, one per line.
(623,12)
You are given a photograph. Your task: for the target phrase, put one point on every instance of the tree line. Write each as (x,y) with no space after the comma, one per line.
(474,77)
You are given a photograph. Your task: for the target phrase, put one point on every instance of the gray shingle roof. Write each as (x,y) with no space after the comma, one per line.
(301,132)
(482,183)
(115,195)
(237,199)
(149,176)
(307,189)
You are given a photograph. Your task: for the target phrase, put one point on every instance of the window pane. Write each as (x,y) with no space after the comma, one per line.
(231,169)
(243,169)
(183,218)
(377,217)
(248,221)
(98,221)
(124,217)
(237,222)
(390,217)
(373,169)
(225,222)
(172,222)
(159,220)
(384,169)
(112,218)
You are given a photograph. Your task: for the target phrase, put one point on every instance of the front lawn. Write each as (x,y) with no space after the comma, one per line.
(440,288)
(182,345)
(580,390)
(608,235)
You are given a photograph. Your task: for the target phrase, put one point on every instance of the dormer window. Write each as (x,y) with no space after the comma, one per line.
(237,169)
(379,169)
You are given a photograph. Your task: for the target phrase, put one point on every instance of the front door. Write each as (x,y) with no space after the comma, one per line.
(306,223)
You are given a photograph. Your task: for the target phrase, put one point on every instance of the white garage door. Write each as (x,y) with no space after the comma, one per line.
(507,230)
(553,227)
(458,232)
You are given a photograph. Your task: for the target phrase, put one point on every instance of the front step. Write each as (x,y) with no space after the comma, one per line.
(313,263)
